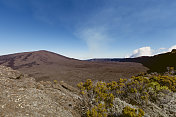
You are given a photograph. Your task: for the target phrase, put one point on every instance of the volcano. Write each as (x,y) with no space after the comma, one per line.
(45,65)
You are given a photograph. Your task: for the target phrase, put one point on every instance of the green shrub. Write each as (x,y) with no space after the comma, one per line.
(97,111)
(138,90)
(131,112)
(100,98)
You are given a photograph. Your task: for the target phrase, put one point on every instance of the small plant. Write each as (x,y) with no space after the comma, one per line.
(55,81)
(97,111)
(131,112)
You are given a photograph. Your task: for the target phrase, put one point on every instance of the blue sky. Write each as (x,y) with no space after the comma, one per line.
(88,28)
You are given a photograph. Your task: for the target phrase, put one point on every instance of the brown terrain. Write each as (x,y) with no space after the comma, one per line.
(45,65)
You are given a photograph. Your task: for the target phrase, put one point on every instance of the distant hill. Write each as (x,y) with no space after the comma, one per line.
(157,63)
(45,65)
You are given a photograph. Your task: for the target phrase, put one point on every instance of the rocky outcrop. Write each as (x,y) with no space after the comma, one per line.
(22,96)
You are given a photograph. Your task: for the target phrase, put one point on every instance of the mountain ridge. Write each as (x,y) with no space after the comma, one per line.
(156,63)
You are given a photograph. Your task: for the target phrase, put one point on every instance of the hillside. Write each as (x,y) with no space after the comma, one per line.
(45,65)
(157,63)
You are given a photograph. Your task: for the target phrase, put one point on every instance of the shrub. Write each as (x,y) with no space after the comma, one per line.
(137,90)
(131,112)
(97,111)
(100,97)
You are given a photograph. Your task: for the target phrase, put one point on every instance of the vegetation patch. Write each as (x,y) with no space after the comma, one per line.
(138,91)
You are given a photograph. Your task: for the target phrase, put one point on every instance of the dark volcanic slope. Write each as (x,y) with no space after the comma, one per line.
(157,63)
(44,65)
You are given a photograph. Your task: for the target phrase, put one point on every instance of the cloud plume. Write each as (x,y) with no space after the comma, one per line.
(96,40)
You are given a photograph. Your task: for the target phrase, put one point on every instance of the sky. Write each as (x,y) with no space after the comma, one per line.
(86,29)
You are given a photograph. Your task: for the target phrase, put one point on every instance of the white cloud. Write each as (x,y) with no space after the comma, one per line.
(144,51)
(164,50)
(171,48)
(147,51)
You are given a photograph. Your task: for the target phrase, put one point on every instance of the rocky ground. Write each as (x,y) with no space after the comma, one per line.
(22,96)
